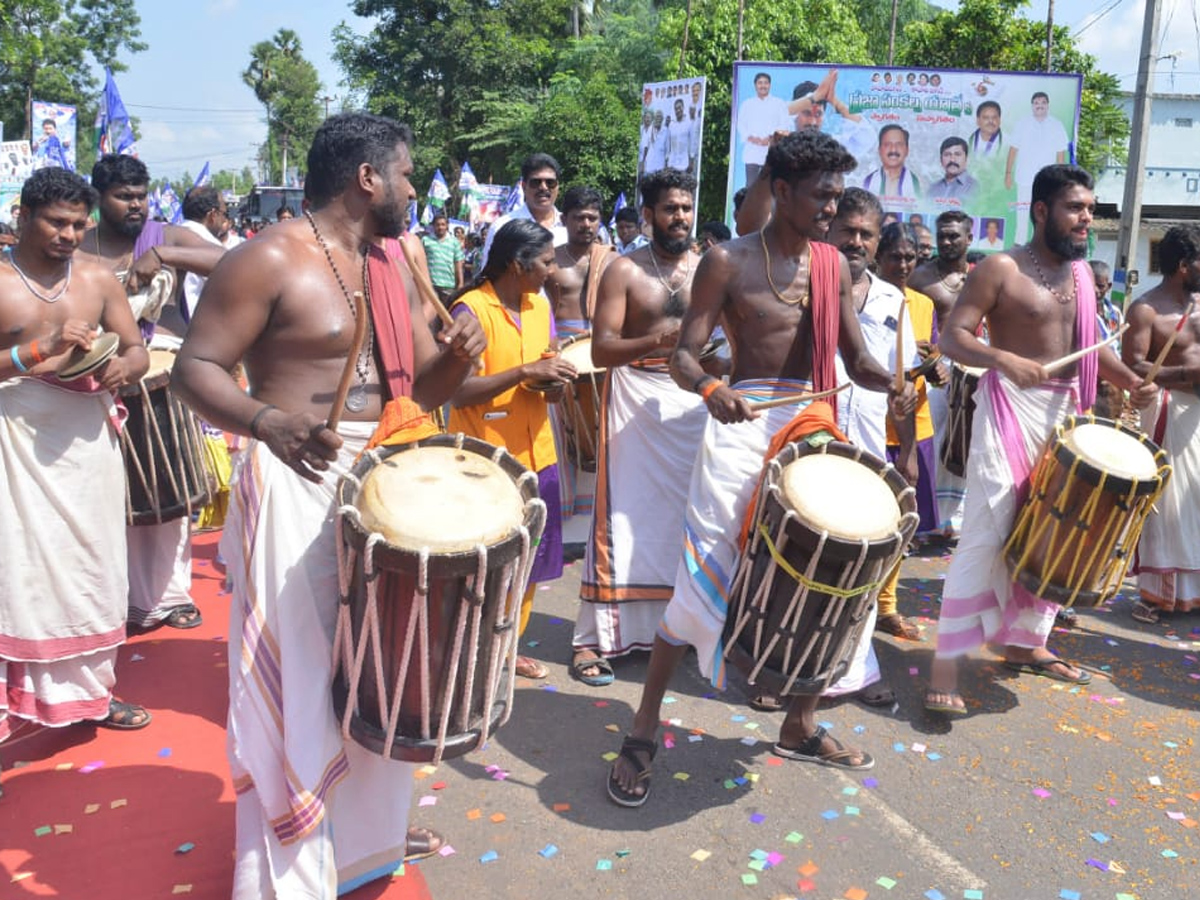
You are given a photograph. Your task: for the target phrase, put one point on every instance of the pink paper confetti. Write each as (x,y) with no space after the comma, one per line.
(1041,792)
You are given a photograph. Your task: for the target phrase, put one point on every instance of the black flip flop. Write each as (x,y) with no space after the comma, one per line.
(605,676)
(177,618)
(121,715)
(629,747)
(810,751)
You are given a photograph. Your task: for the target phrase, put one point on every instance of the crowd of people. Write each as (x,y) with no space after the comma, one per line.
(703,349)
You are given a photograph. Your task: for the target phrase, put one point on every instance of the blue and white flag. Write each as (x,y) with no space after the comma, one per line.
(515,197)
(427,215)
(439,191)
(203,178)
(112,121)
(467,182)
(169,206)
(617,207)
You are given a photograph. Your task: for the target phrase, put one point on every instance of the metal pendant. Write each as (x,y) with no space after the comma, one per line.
(356,399)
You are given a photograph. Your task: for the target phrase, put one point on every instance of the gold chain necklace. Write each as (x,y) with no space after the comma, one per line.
(356,398)
(1058,295)
(802,300)
(687,271)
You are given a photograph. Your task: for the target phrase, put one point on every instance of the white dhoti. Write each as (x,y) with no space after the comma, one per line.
(980,602)
(316,815)
(160,569)
(1168,556)
(62,582)
(724,476)
(648,443)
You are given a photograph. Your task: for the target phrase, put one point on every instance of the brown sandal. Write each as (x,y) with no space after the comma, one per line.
(898,627)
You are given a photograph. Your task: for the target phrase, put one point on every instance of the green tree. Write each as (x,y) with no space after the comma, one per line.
(288,87)
(46,51)
(785,30)
(992,34)
(875,19)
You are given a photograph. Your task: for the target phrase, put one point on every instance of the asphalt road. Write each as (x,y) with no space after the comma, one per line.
(1045,792)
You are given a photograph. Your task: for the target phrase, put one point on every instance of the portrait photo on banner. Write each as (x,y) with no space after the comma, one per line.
(672,127)
(926,140)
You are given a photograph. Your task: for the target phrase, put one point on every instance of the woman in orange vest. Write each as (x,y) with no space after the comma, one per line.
(499,403)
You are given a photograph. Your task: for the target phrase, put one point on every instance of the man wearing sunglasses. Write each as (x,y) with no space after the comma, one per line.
(539,180)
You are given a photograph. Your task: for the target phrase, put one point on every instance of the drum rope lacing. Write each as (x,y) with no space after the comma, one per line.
(807,580)
(513,579)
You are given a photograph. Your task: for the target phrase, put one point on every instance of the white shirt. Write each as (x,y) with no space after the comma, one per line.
(656,150)
(193,284)
(1037,144)
(761,117)
(679,143)
(862,414)
(558,229)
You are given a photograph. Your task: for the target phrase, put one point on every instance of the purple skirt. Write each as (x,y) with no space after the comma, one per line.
(927,506)
(548,561)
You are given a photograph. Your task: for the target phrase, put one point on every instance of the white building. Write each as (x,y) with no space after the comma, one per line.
(1170,182)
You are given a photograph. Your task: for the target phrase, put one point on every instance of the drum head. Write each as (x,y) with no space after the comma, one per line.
(161,362)
(836,494)
(79,362)
(1112,451)
(441,498)
(579,354)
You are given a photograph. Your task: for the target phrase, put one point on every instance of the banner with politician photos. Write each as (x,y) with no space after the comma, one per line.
(672,127)
(53,139)
(926,140)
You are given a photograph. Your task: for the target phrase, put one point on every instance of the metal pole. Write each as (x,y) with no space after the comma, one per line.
(1131,204)
(1049,33)
(892,32)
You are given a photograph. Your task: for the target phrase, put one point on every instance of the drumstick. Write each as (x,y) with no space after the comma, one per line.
(900,347)
(797,398)
(360,333)
(425,288)
(1080,354)
(1162,354)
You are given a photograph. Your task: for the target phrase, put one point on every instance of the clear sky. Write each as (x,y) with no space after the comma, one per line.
(187,89)
(188,92)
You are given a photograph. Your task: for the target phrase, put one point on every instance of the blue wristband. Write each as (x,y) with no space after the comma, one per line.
(16,359)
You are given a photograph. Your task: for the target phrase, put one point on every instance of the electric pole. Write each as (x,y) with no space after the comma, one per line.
(892,32)
(1131,204)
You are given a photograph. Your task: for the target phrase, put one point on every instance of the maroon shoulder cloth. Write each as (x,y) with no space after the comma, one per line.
(825,275)
(391,317)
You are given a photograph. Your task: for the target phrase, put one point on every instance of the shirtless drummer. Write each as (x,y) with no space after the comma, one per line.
(781,297)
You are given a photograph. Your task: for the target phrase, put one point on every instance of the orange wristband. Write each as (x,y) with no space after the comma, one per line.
(33,352)
(711,388)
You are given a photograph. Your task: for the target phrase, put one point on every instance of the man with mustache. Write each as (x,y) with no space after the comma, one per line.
(1169,551)
(1040,303)
(957,187)
(786,303)
(987,140)
(62,513)
(649,438)
(893,179)
(578,264)
(540,175)
(135,248)
(316,815)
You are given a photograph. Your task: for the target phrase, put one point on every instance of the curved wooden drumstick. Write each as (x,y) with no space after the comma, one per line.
(1063,361)
(1162,354)
(798,398)
(900,347)
(360,333)
(425,288)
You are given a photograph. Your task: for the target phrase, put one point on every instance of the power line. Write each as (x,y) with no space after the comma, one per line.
(193,109)
(1096,17)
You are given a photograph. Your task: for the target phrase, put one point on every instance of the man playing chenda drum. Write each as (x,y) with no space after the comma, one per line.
(62,512)
(786,304)
(315,815)
(1040,304)
(1168,563)
(650,433)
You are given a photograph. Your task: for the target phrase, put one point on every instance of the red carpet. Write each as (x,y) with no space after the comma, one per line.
(92,813)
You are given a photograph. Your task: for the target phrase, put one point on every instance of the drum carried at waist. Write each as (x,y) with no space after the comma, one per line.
(1089,496)
(831,523)
(960,399)
(166,473)
(580,407)
(436,542)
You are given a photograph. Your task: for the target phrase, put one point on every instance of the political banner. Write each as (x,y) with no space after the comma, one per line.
(672,127)
(53,131)
(492,198)
(16,164)
(926,140)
